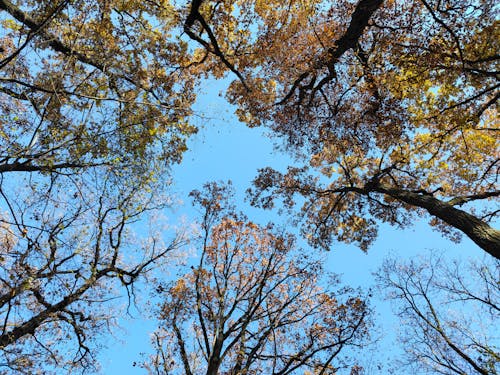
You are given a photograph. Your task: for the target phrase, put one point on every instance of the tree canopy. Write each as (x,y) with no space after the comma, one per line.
(391,106)
(90,83)
(447,310)
(253,304)
(94,100)
(65,256)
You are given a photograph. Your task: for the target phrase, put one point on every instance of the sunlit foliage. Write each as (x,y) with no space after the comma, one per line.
(391,106)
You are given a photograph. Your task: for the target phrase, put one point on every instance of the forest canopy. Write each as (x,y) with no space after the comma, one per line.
(388,111)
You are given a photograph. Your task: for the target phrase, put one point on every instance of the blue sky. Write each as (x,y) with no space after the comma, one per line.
(225,149)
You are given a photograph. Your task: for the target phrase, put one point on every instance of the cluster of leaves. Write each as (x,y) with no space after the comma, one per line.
(91,83)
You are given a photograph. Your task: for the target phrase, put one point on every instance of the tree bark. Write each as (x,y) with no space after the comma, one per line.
(359,20)
(486,237)
(29,167)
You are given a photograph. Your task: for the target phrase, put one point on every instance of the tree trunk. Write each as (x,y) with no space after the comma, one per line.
(486,237)
(214,361)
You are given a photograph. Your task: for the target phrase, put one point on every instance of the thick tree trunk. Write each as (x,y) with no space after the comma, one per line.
(214,361)
(486,237)
(359,20)
(29,167)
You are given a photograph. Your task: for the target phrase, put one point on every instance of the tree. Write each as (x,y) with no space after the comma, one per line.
(391,106)
(449,314)
(63,257)
(94,100)
(253,305)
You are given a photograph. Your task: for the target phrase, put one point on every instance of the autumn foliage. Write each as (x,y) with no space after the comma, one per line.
(93,82)
(254,304)
(390,106)
(388,109)
(94,99)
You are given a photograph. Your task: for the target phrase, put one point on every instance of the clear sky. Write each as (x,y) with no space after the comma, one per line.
(225,149)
